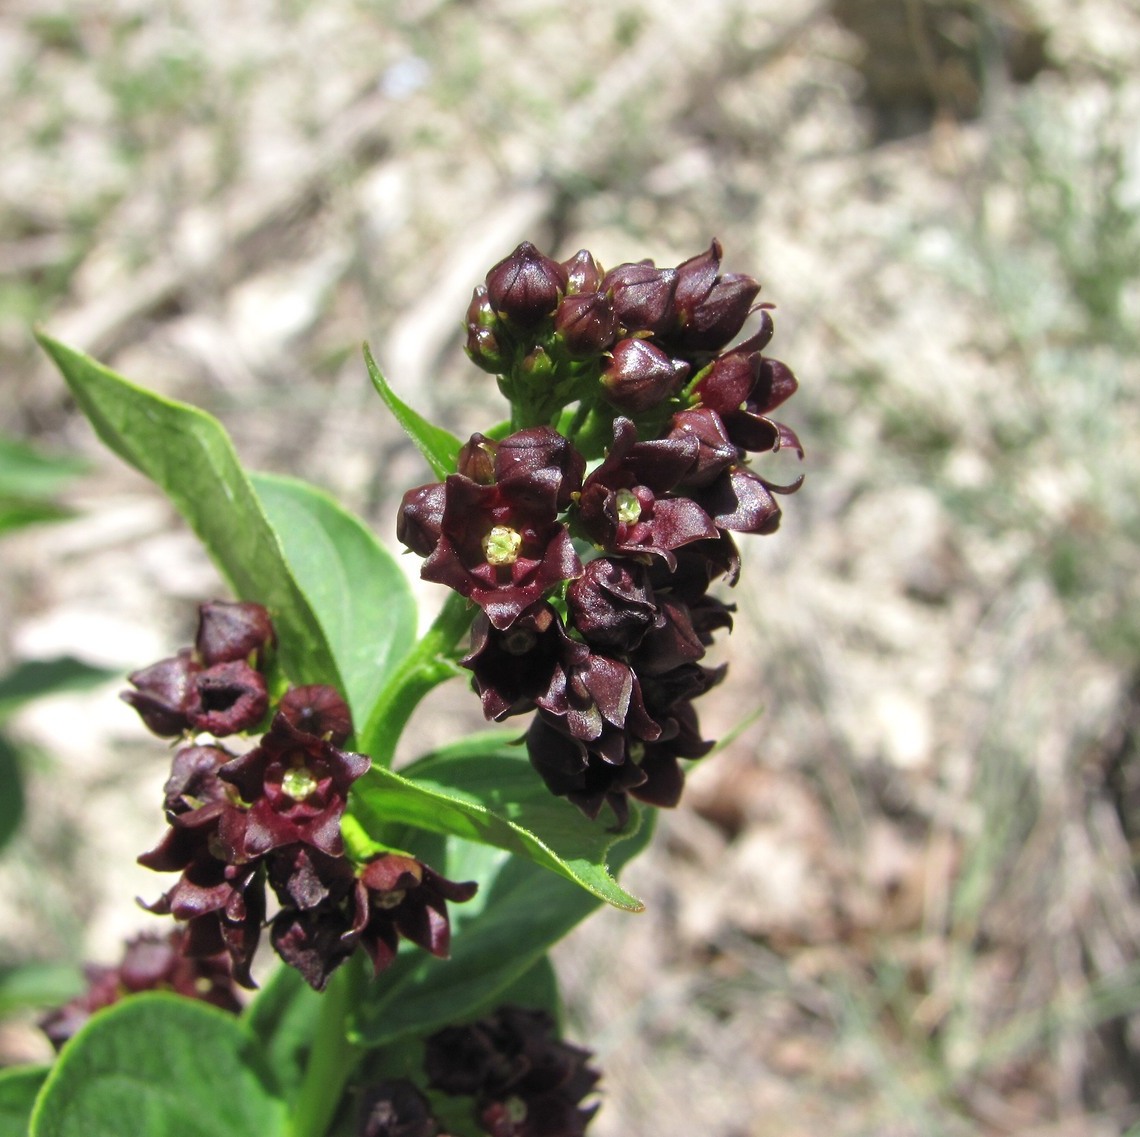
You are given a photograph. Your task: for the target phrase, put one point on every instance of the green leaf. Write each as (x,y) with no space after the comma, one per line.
(12,799)
(438,446)
(161,1066)
(284,1016)
(483,790)
(28,472)
(16,513)
(19,1086)
(190,457)
(38,677)
(29,985)
(518,913)
(359,594)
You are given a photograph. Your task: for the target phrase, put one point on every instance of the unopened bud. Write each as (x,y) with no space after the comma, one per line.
(586,323)
(641,375)
(643,295)
(526,286)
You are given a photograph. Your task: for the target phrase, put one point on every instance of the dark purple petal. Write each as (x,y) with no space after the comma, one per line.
(227,698)
(318,709)
(162,694)
(420,518)
(231,631)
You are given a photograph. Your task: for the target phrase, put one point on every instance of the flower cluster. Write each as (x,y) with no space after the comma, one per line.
(272,815)
(592,577)
(523,1081)
(150,963)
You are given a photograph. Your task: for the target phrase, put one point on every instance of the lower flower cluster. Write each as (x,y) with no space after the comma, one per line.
(271,816)
(593,583)
(150,963)
(523,1081)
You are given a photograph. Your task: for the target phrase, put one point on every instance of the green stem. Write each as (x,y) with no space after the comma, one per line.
(333,1058)
(427,665)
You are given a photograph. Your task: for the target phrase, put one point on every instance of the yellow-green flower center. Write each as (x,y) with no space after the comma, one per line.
(501,545)
(628,507)
(391,899)
(298,783)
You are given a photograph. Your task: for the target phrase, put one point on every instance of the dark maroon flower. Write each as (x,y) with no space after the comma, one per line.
(149,963)
(586,323)
(303,877)
(742,501)
(232,630)
(612,604)
(163,693)
(512,668)
(194,781)
(742,387)
(296,785)
(640,375)
(710,309)
(624,507)
(595,699)
(420,520)
(587,774)
(222,905)
(502,545)
(399,896)
(394,1109)
(643,295)
(672,641)
(525,286)
(314,941)
(318,709)
(227,698)
(583,273)
(715,450)
(525,1081)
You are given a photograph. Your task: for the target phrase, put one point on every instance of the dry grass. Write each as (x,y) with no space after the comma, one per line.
(903,902)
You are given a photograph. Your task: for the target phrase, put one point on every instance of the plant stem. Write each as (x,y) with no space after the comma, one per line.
(332,1058)
(427,665)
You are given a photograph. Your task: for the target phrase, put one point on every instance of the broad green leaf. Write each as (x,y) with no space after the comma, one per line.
(438,446)
(358,593)
(190,457)
(283,1016)
(12,799)
(16,513)
(159,1065)
(38,677)
(486,791)
(28,472)
(19,1086)
(518,913)
(29,985)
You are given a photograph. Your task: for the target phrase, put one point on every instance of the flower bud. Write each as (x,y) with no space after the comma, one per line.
(583,273)
(586,323)
(484,339)
(643,295)
(710,309)
(477,459)
(640,376)
(526,286)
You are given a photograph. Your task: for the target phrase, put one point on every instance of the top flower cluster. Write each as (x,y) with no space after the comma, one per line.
(592,576)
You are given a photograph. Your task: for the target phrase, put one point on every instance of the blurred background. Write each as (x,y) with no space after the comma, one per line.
(903,901)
